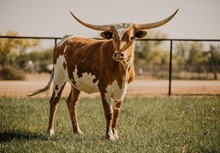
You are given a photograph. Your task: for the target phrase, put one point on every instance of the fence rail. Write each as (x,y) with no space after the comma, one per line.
(169,40)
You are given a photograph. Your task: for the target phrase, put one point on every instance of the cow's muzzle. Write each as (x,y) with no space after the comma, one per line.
(121,57)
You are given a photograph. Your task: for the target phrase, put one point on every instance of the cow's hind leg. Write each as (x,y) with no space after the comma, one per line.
(54,100)
(116,111)
(71,103)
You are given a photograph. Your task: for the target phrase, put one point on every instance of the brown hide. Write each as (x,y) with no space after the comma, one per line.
(93,57)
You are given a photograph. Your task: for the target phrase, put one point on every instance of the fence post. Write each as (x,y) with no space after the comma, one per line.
(170,67)
(55,42)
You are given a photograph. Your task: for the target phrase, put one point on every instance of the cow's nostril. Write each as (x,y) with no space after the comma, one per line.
(118,55)
(122,55)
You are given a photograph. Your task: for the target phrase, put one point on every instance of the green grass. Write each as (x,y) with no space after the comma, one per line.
(165,124)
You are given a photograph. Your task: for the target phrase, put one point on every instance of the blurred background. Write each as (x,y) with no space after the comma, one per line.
(191,60)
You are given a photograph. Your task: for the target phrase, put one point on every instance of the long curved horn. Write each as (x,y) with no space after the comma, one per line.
(156,24)
(91,26)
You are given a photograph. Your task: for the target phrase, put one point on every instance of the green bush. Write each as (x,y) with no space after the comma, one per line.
(11,73)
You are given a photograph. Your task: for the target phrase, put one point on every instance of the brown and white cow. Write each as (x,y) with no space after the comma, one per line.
(90,65)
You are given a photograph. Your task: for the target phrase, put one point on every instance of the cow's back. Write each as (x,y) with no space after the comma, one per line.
(81,62)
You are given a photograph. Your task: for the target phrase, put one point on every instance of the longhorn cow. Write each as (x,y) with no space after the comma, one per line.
(90,65)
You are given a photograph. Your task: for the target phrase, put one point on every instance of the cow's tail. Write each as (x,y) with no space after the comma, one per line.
(47,87)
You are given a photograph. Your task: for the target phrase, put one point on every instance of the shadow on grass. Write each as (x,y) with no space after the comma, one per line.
(8,136)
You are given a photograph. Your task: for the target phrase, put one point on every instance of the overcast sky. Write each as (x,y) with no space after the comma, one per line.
(195,19)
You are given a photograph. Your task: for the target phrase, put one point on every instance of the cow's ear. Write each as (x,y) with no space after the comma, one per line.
(106,35)
(140,34)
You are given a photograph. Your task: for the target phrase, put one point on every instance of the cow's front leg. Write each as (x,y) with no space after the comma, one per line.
(115,118)
(106,100)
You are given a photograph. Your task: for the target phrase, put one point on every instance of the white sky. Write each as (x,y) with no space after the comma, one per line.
(195,19)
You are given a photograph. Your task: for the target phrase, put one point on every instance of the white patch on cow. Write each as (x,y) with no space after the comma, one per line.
(121,28)
(85,83)
(51,132)
(110,133)
(60,75)
(64,39)
(115,134)
(115,91)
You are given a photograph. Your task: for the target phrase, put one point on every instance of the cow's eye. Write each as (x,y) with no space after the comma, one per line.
(109,35)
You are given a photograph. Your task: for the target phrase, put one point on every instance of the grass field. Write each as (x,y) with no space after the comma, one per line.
(164,124)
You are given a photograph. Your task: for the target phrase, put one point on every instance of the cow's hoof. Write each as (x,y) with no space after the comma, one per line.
(110,138)
(51,132)
(78,131)
(115,134)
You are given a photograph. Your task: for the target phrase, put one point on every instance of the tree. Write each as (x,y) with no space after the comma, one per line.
(180,53)
(10,49)
(214,59)
(196,56)
(151,52)
(40,60)
(189,54)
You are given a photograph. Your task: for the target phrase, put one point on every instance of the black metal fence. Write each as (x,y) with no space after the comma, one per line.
(170,41)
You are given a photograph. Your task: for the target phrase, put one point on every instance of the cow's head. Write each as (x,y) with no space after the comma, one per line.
(123,35)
